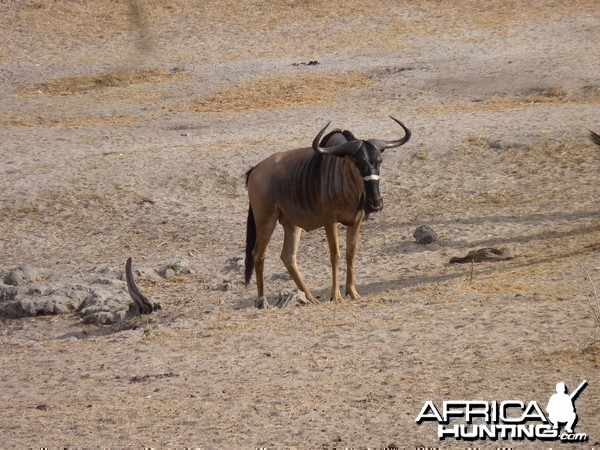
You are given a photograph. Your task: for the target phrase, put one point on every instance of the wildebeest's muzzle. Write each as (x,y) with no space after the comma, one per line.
(373,202)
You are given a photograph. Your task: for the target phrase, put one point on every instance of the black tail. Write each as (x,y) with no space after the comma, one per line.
(250,241)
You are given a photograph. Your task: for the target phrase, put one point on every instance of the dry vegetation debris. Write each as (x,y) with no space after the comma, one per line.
(281,91)
(116,78)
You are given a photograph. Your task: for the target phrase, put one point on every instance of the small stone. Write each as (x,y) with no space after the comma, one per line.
(8,292)
(21,276)
(168,273)
(424,235)
(105,281)
(38,289)
(281,276)
(226,285)
(235,264)
(287,299)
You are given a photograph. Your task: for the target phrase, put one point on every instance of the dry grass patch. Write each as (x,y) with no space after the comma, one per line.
(237,30)
(62,201)
(17,120)
(281,91)
(465,16)
(118,78)
(534,96)
(96,18)
(557,152)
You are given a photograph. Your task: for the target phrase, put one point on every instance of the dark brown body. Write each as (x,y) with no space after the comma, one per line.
(307,189)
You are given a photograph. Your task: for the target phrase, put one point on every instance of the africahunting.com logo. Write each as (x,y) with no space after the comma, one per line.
(509,419)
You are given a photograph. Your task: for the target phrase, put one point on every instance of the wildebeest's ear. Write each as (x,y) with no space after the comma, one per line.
(378,144)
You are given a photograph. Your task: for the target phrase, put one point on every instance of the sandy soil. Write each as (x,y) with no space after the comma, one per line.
(125,131)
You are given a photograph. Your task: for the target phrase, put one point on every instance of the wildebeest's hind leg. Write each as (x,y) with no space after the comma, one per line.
(264,231)
(334,256)
(291,239)
(352,234)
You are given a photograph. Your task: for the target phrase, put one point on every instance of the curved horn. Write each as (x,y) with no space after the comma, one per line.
(347,148)
(382,145)
(143,303)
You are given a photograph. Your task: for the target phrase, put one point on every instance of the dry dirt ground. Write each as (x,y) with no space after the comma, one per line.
(125,131)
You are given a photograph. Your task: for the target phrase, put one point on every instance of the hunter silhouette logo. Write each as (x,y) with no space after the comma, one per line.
(561,409)
(509,419)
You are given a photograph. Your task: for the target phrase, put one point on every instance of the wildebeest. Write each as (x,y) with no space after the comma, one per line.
(334,181)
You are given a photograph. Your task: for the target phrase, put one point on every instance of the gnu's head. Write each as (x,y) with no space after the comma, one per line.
(366,155)
(367,160)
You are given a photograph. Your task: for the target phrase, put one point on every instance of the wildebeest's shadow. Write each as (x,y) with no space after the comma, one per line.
(524,260)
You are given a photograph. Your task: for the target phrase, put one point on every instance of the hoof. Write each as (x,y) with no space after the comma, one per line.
(262,303)
(351,292)
(337,298)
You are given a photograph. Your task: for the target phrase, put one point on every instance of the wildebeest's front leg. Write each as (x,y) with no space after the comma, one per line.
(291,239)
(334,257)
(352,234)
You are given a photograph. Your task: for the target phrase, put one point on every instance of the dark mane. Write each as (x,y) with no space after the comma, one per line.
(304,182)
(347,134)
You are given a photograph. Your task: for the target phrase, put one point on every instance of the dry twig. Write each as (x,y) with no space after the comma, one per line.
(593,304)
